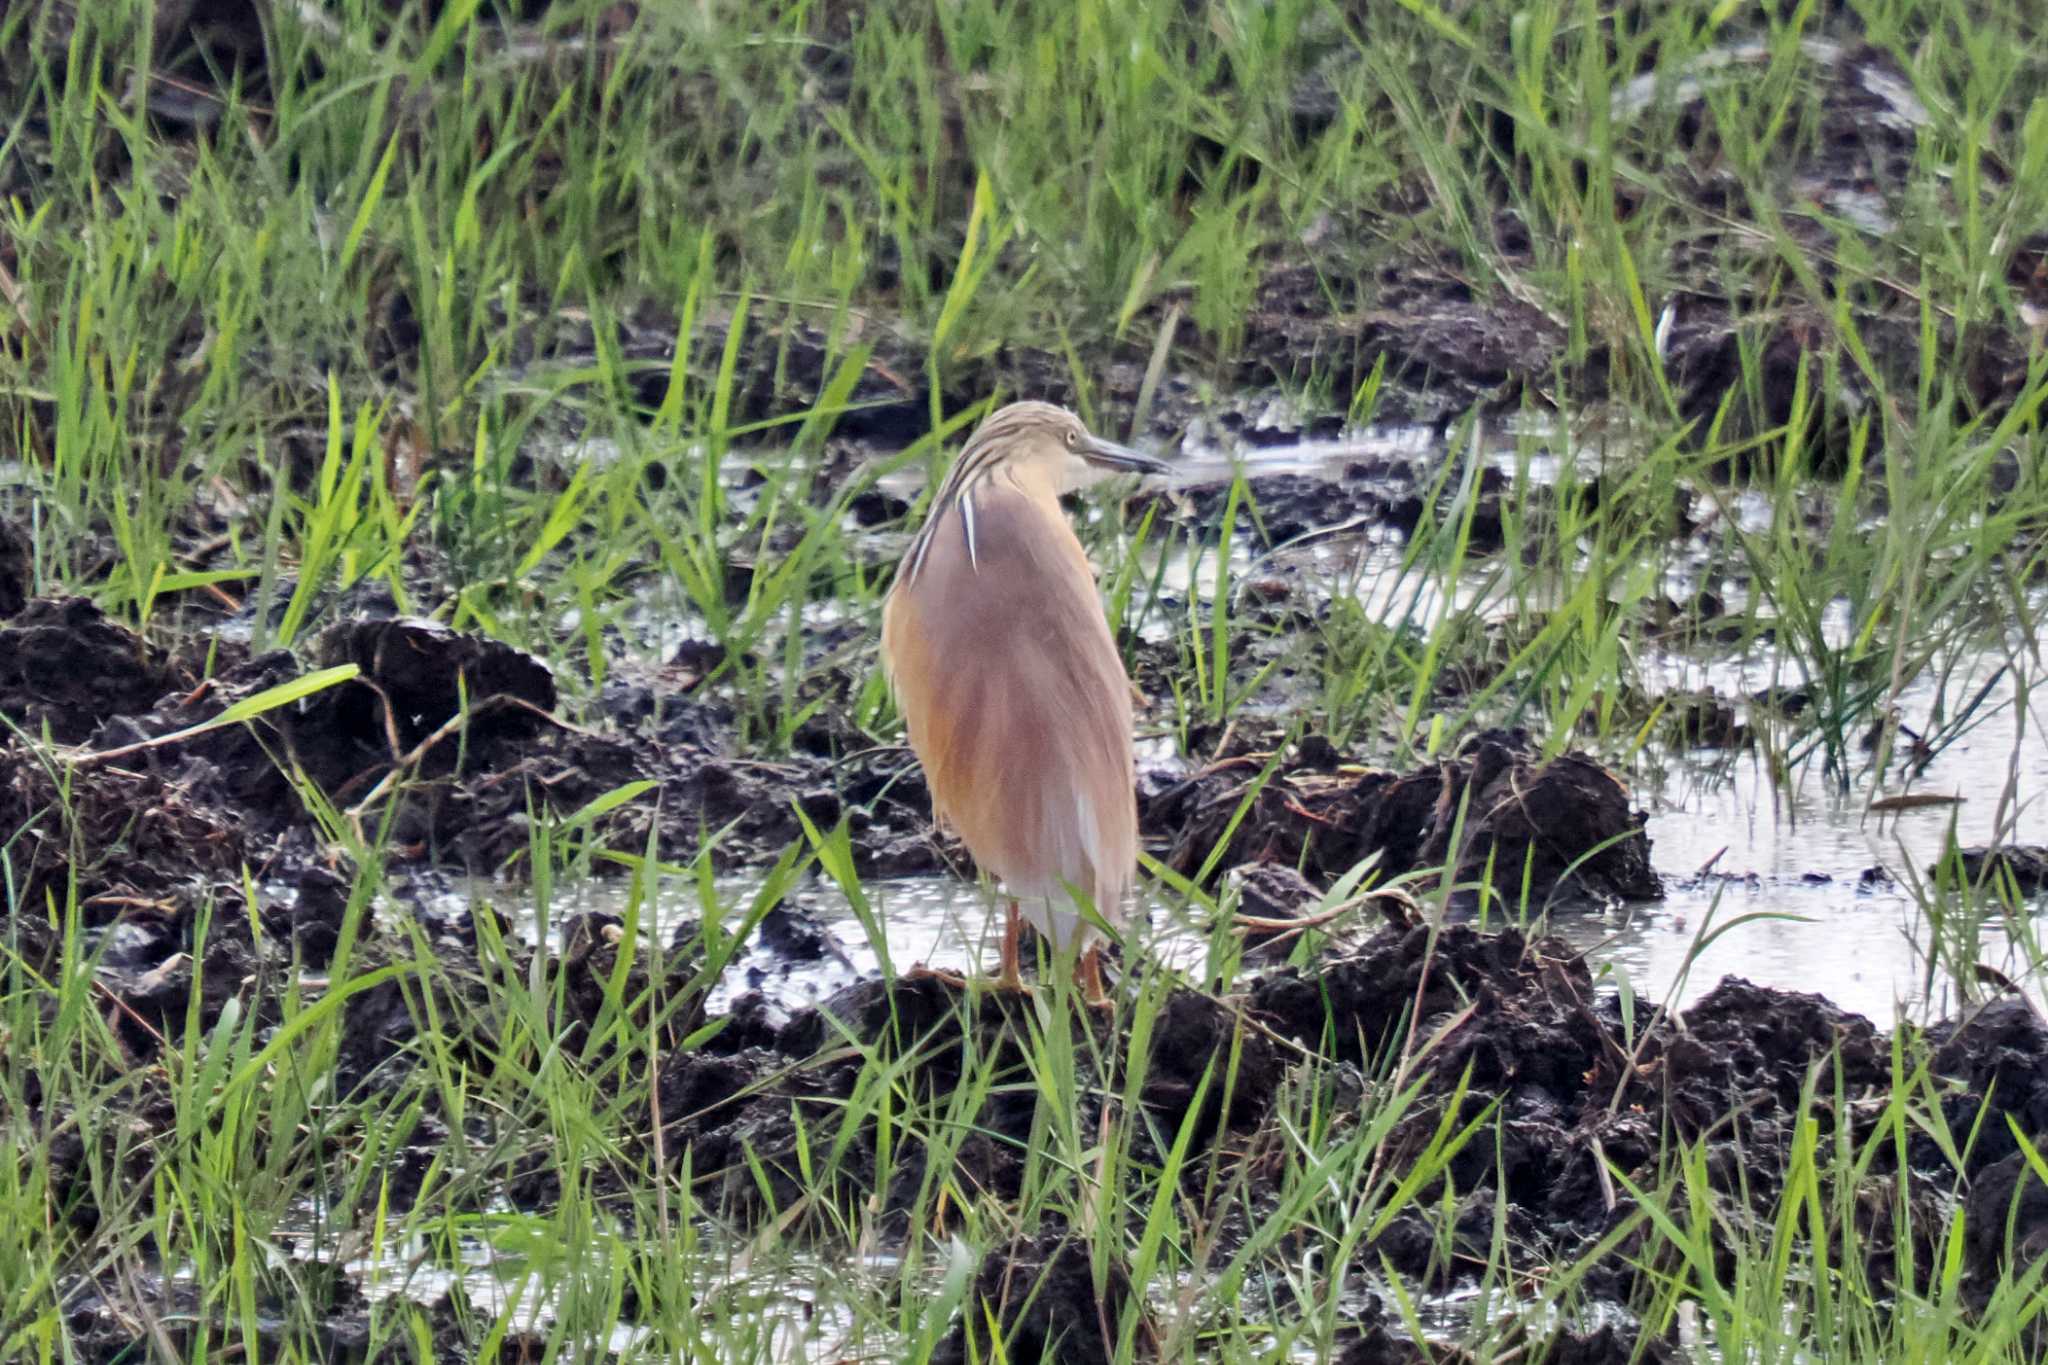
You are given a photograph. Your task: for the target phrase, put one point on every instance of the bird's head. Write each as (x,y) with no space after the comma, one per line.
(1038,443)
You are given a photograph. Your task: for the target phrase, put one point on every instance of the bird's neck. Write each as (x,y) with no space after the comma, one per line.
(1035,480)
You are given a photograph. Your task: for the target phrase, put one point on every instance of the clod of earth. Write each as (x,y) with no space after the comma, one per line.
(2022,866)
(17,569)
(64,668)
(1532,828)
(742,1115)
(1516,1022)
(1039,1293)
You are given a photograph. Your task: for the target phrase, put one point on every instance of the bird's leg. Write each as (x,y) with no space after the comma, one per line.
(1010,976)
(1088,973)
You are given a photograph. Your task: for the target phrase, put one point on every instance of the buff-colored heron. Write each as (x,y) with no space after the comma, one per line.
(1010,685)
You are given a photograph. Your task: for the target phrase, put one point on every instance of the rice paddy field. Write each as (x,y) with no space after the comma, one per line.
(464,874)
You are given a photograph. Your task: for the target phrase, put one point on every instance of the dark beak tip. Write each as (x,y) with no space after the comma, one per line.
(1109,455)
(1142,468)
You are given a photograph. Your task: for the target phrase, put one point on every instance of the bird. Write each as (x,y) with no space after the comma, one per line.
(1009,683)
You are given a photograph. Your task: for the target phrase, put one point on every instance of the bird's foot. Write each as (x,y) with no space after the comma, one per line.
(1009,977)
(1088,973)
(920,972)
(1010,982)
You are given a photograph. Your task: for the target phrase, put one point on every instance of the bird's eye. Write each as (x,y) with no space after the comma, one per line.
(1073,438)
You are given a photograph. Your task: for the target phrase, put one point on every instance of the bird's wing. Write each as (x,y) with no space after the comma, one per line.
(1017,702)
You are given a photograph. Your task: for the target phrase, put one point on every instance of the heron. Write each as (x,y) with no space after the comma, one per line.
(1010,685)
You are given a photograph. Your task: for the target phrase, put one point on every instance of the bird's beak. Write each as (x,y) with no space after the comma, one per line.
(1121,459)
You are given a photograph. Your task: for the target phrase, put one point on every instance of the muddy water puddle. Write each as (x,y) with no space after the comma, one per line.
(1797,885)
(798,1306)
(1799,889)
(1864,947)
(1792,882)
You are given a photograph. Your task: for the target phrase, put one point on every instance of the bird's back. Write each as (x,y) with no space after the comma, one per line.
(1017,703)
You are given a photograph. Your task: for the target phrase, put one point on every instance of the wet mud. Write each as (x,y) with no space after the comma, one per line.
(452,745)
(2021,869)
(1041,1293)
(449,746)
(1513,1028)
(1508,1029)
(745,1106)
(1496,813)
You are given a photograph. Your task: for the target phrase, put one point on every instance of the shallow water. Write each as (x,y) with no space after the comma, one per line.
(1775,884)
(1800,860)
(1798,887)
(1864,947)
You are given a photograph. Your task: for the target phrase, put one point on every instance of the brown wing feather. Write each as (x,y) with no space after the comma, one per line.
(1016,702)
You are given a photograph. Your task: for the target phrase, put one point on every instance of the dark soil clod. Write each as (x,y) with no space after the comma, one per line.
(1040,1290)
(428,674)
(2023,866)
(1534,828)
(1518,1023)
(64,668)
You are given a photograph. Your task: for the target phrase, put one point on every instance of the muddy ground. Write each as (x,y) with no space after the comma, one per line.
(150,834)
(447,742)
(155,828)
(1572,1088)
